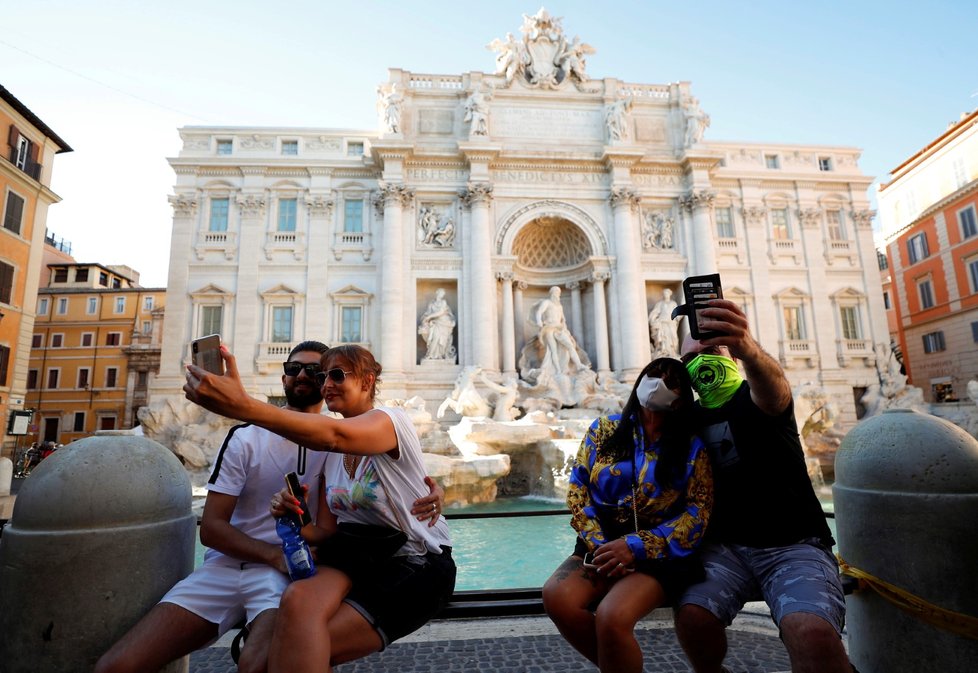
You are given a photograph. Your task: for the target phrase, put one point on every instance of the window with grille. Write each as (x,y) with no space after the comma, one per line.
(353,216)
(850,322)
(837,230)
(286,214)
(725,227)
(794,323)
(281,324)
(933,342)
(219,215)
(352,318)
(780,226)
(210,320)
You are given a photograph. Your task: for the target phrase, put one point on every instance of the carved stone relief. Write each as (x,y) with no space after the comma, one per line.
(436,226)
(658,229)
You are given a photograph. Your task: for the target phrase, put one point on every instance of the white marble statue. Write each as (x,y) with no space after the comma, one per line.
(477,113)
(616,118)
(465,399)
(571,58)
(504,400)
(561,349)
(509,57)
(437,328)
(390,105)
(427,224)
(663,330)
(445,235)
(697,122)
(973,391)
(665,233)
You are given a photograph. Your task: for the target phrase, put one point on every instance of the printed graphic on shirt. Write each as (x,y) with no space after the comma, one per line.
(362,495)
(720,444)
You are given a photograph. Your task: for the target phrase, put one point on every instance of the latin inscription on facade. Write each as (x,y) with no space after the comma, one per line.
(549,177)
(548,123)
(437,175)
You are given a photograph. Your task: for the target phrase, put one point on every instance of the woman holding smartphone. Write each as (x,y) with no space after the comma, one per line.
(640,495)
(374,478)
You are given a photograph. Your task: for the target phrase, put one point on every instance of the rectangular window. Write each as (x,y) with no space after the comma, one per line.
(973,274)
(116,283)
(772,161)
(83,377)
(354,149)
(53,378)
(825,163)
(837,230)
(886,301)
(850,322)
(933,342)
(61,275)
(91,306)
(353,216)
(13,214)
(120,304)
(290,148)
(6,282)
(224,146)
(219,215)
(111,374)
(42,306)
(794,323)
(917,247)
(37,341)
(57,340)
(780,226)
(62,305)
(147,327)
(79,424)
(142,380)
(974,332)
(103,279)
(147,304)
(32,379)
(351,324)
(281,324)
(286,214)
(725,227)
(926,293)
(4,364)
(210,319)
(106,423)
(87,339)
(113,338)
(81,275)
(967,219)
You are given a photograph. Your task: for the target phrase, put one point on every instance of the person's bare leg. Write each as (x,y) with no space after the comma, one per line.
(165,634)
(352,636)
(300,640)
(813,644)
(254,654)
(566,598)
(630,598)
(703,638)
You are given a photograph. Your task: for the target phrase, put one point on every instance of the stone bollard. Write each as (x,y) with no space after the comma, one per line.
(906,504)
(101,530)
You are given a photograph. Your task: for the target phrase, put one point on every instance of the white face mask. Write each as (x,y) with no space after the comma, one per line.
(653,394)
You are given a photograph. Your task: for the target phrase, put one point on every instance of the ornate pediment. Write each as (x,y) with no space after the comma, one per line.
(543,58)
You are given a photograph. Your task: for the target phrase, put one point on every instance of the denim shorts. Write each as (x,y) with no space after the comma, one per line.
(402,594)
(802,577)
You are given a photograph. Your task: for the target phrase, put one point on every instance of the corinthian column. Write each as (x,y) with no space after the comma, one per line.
(393,198)
(476,197)
(628,283)
(703,257)
(508,328)
(600,323)
(577,321)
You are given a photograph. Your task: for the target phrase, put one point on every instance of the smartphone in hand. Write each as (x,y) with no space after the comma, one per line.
(589,560)
(295,489)
(206,353)
(699,289)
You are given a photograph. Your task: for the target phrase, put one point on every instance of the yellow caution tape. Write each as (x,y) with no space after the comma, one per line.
(955,622)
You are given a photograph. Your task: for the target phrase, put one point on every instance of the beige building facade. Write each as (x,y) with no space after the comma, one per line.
(495,187)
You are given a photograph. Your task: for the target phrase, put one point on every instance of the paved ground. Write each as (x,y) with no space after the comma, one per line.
(532,645)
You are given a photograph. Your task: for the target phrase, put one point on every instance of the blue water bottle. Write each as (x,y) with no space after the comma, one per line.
(297,555)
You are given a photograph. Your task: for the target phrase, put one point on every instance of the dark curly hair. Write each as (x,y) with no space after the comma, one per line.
(677,428)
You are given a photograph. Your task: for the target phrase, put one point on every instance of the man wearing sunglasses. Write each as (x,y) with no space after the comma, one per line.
(244,571)
(767,538)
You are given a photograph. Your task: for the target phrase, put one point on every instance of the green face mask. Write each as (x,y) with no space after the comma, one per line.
(715,379)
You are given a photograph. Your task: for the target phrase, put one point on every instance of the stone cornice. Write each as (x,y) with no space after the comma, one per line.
(621,158)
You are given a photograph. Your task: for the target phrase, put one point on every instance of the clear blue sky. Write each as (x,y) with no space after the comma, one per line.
(116,79)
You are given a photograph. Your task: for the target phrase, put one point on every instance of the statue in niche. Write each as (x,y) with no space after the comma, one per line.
(437,327)
(663,330)
(477,113)
(560,348)
(465,399)
(697,122)
(571,58)
(616,118)
(504,401)
(390,105)
(508,56)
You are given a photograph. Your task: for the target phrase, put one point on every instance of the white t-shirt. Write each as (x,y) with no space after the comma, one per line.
(384,490)
(251,466)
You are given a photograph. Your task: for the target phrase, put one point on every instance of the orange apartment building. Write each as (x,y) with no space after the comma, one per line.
(95,350)
(933,260)
(29,148)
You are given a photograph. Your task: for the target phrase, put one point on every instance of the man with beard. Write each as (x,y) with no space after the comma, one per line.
(244,571)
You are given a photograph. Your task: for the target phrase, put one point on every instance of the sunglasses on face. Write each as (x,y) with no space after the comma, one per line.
(336,375)
(293,368)
(709,350)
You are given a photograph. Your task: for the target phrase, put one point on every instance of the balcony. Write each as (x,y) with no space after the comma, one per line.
(291,242)
(849,349)
(732,247)
(224,242)
(271,355)
(798,349)
(784,248)
(32,168)
(352,241)
(840,250)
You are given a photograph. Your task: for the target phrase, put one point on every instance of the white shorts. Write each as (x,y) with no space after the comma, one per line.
(224,595)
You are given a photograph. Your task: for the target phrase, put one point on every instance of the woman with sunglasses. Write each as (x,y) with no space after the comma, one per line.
(640,496)
(375,476)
